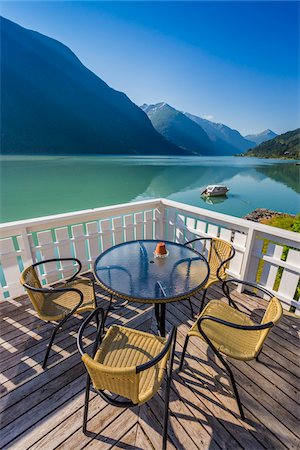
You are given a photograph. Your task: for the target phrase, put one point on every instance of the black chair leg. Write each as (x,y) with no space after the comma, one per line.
(183,351)
(236,393)
(57,327)
(167,395)
(203,299)
(97,321)
(257,357)
(166,414)
(191,307)
(49,345)
(86,403)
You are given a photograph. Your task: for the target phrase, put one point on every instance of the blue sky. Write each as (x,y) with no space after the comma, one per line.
(232,62)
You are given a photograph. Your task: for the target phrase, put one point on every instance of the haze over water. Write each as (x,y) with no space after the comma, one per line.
(39,186)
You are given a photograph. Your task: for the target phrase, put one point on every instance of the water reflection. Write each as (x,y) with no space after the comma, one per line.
(75,183)
(288,174)
(214,200)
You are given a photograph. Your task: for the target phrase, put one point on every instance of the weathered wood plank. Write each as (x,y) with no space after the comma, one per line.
(44,409)
(142,442)
(47,379)
(219,404)
(128,441)
(215,373)
(31,417)
(32,365)
(152,428)
(115,430)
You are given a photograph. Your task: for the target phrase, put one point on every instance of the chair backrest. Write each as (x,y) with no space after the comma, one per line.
(219,252)
(125,381)
(273,314)
(30,278)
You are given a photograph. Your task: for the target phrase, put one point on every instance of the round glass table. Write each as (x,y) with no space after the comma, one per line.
(131,271)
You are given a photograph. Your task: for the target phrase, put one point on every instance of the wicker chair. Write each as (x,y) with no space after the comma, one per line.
(231,332)
(219,254)
(58,303)
(128,363)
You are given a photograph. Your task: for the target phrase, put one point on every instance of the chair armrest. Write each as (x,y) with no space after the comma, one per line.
(246,283)
(81,280)
(52,290)
(62,259)
(160,356)
(98,310)
(233,325)
(199,239)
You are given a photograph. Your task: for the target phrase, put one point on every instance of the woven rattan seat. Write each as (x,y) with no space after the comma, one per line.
(231,332)
(238,344)
(59,304)
(74,296)
(128,363)
(114,365)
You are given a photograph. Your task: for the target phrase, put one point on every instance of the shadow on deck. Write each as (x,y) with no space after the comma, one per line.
(43,409)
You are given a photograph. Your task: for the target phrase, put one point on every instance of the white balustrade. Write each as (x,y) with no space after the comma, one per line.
(85,234)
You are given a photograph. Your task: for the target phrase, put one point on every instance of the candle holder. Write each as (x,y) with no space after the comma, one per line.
(161,250)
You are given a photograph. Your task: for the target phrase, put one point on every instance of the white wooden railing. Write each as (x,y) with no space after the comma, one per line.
(85,234)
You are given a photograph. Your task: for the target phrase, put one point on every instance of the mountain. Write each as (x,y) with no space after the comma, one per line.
(285,145)
(225,140)
(178,128)
(261,137)
(52,104)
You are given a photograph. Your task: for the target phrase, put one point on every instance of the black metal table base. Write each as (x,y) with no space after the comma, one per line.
(160,315)
(117,303)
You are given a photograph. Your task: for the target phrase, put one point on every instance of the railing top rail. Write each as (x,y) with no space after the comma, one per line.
(56,220)
(79,216)
(269,231)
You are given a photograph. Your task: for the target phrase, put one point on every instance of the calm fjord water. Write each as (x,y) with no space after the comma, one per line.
(38,186)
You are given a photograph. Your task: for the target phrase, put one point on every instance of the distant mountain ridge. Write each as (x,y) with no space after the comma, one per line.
(178,128)
(199,135)
(224,138)
(52,104)
(286,145)
(259,138)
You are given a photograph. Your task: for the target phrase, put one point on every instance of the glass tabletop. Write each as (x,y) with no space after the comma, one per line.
(130,270)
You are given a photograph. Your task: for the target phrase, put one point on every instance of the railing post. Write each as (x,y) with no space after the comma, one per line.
(27,256)
(159,222)
(247,257)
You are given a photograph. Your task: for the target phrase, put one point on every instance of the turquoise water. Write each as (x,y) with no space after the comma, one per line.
(38,186)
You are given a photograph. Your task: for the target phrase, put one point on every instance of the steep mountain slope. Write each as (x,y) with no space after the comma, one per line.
(178,128)
(225,139)
(285,145)
(261,137)
(51,103)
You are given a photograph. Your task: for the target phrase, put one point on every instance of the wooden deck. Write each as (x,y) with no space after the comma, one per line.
(43,409)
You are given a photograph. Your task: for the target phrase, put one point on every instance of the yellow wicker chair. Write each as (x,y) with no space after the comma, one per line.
(129,363)
(58,304)
(219,254)
(231,332)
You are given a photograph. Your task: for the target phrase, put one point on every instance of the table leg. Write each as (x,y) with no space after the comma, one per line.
(157,313)
(118,303)
(160,316)
(162,320)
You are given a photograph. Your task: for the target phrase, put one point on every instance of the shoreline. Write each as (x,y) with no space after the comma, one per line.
(259,214)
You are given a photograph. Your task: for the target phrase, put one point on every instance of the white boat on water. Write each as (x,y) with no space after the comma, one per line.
(215,190)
